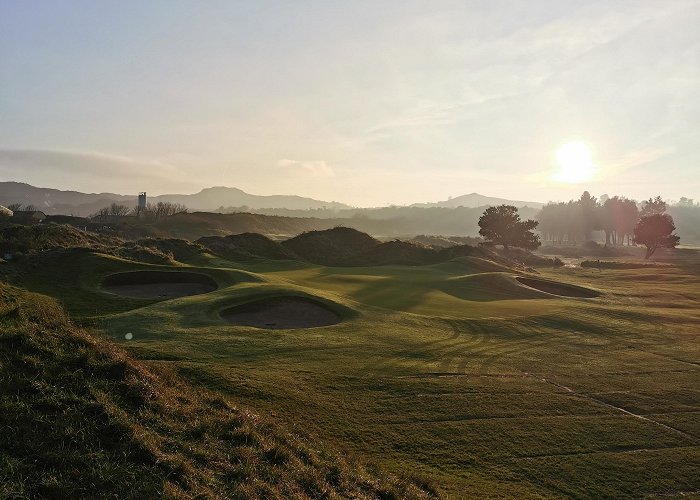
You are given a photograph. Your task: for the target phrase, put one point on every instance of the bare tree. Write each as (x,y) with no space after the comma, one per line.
(113,210)
(102,212)
(15,207)
(163,209)
(119,210)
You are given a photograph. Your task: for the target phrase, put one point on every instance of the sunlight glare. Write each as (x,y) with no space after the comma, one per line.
(575,161)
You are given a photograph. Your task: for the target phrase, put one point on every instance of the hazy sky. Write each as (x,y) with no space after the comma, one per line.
(364,102)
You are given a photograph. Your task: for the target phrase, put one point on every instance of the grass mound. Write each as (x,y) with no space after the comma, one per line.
(332,247)
(438,242)
(245,246)
(138,253)
(557,288)
(81,419)
(342,246)
(471,265)
(486,287)
(38,238)
(395,253)
(276,313)
(158,284)
(20,240)
(176,249)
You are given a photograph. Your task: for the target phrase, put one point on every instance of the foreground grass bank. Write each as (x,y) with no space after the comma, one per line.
(82,419)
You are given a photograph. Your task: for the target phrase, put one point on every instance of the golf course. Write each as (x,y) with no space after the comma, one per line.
(483,379)
(374,250)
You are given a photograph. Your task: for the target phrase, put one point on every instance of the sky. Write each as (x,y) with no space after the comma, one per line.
(366,102)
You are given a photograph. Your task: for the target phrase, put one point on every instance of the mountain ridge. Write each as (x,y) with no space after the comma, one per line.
(474,200)
(55,201)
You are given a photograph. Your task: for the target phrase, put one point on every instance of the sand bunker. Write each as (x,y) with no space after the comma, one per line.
(158,284)
(281,313)
(556,288)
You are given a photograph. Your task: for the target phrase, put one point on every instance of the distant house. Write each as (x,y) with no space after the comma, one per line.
(28,217)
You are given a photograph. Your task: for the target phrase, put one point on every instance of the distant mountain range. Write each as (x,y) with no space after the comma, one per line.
(54,201)
(475,200)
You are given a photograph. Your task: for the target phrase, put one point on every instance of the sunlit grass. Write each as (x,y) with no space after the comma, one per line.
(454,370)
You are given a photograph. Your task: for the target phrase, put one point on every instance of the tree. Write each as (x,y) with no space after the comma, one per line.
(119,210)
(115,209)
(653,206)
(501,225)
(589,215)
(15,207)
(618,216)
(655,231)
(163,209)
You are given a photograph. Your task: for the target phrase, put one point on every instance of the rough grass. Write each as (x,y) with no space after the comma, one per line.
(245,246)
(82,419)
(337,246)
(38,238)
(75,277)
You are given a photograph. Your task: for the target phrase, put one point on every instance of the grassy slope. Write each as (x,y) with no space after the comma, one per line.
(74,277)
(459,372)
(81,419)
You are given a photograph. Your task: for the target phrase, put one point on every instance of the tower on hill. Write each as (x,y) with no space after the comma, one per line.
(142,201)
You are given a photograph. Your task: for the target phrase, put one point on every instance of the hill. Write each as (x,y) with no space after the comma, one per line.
(475,200)
(332,247)
(245,246)
(54,201)
(82,419)
(344,246)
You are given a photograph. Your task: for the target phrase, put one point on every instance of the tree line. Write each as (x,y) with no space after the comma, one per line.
(620,218)
(574,221)
(150,211)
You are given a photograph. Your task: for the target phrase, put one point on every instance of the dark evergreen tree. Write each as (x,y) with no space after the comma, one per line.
(501,225)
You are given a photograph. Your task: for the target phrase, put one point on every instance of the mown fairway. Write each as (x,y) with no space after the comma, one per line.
(455,371)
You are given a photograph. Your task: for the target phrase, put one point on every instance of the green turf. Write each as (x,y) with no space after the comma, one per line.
(455,370)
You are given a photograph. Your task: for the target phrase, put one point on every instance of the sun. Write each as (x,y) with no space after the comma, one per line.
(575,161)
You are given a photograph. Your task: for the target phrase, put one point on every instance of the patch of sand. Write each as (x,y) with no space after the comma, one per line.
(281,313)
(555,288)
(159,290)
(158,284)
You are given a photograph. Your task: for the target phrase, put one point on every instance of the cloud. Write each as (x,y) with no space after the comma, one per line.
(314,168)
(90,171)
(636,158)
